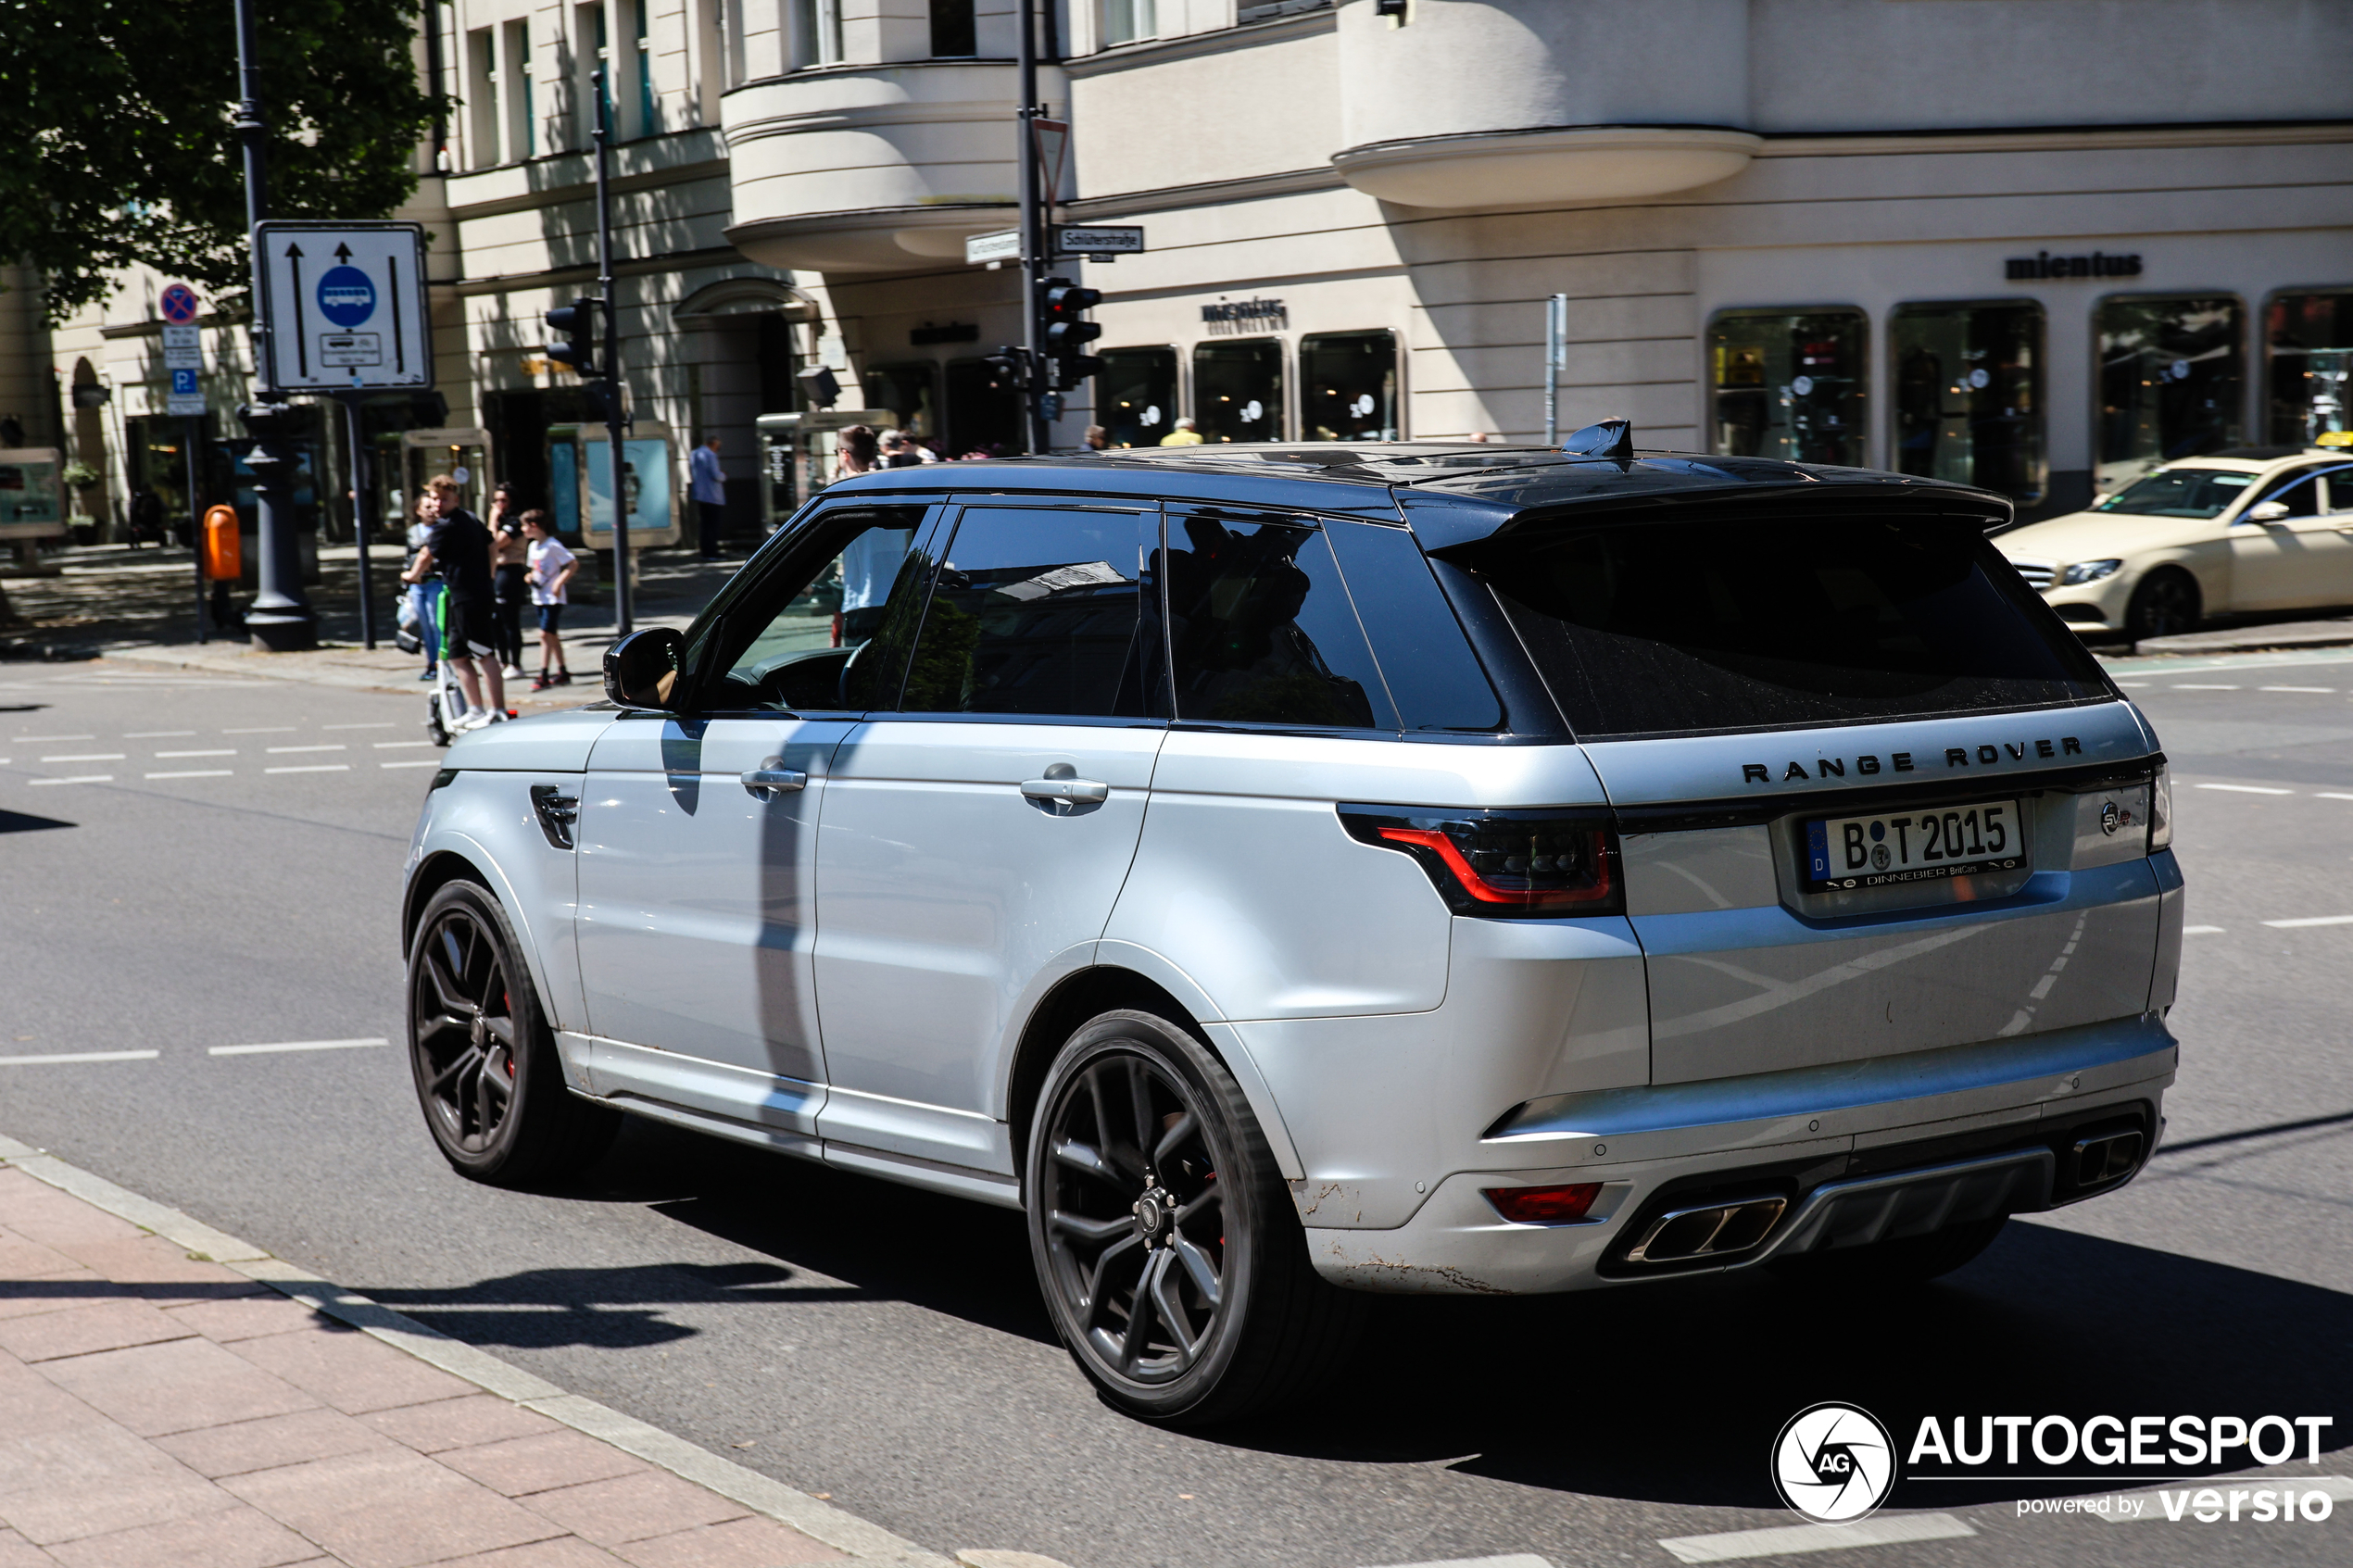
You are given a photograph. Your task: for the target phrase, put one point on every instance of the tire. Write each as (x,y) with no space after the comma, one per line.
(487,1075)
(2164,605)
(1177,1276)
(1914,1259)
(435,726)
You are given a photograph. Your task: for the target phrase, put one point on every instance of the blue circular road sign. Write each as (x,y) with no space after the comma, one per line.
(347,298)
(179,304)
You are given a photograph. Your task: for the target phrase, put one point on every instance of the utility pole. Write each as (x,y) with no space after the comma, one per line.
(1033,258)
(281,620)
(622,621)
(1556,350)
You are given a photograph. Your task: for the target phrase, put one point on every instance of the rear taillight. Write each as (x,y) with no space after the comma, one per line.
(2161,811)
(1512,863)
(1544,1206)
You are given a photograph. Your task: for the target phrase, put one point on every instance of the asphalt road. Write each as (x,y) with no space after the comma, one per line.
(888,1349)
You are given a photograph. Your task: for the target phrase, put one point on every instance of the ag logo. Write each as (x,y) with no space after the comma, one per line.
(1833,1464)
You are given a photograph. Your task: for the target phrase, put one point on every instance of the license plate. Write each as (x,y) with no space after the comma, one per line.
(1900,846)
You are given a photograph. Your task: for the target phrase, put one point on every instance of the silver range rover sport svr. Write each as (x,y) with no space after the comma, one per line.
(1285,873)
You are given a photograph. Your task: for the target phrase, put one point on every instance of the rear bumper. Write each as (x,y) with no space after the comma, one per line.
(1949,1135)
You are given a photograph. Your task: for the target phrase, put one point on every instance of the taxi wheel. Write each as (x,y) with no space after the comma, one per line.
(1166,1241)
(1913,1259)
(2165,605)
(484,1061)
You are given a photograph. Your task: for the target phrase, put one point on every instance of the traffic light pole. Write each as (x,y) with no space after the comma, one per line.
(623,622)
(1034,257)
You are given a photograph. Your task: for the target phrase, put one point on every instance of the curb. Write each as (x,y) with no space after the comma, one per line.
(863,1541)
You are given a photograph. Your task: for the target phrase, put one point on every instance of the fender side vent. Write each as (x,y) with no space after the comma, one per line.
(557,811)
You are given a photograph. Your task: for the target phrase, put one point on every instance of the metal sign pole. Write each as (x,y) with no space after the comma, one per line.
(359,520)
(1033,229)
(623,622)
(1556,350)
(196,516)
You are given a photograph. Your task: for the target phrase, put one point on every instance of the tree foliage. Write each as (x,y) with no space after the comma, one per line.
(119,120)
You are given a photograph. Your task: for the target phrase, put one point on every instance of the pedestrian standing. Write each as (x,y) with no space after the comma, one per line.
(1097,438)
(859,452)
(1187,433)
(550,569)
(708,487)
(459,547)
(424,589)
(509,562)
(897,451)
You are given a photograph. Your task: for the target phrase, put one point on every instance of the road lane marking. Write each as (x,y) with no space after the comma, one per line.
(294,1046)
(2136,685)
(197,773)
(262,730)
(2196,687)
(2312,919)
(77,778)
(2247,789)
(1780,1540)
(337,746)
(395,745)
(87,756)
(313,768)
(70,1057)
(418,762)
(386,725)
(2201,930)
(29,740)
(2332,795)
(1517,1560)
(217,751)
(2329,691)
(155,734)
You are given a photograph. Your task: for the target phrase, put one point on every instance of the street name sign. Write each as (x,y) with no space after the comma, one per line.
(344,306)
(1099,239)
(1003,246)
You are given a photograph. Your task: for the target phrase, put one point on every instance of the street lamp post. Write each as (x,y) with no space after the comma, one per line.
(281,620)
(1033,227)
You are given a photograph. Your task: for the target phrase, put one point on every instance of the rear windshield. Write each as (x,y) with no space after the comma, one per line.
(1692,627)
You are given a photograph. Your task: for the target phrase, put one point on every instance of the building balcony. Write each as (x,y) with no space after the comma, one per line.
(1546,164)
(873,168)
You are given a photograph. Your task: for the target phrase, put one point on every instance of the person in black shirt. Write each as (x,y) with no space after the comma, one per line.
(459,547)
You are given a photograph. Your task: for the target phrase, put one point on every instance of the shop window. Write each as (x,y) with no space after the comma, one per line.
(1348,386)
(2172,381)
(1136,396)
(984,414)
(2310,340)
(1969,395)
(1790,384)
(908,391)
(1237,390)
(1125,21)
(953,33)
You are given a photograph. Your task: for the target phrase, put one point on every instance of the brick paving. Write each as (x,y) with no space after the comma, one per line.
(158,1408)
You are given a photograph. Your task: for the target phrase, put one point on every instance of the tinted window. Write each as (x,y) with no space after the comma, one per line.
(1262,629)
(2299,493)
(2189,493)
(1429,665)
(1034,612)
(1656,628)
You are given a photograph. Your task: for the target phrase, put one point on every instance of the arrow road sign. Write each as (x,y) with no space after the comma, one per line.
(342,306)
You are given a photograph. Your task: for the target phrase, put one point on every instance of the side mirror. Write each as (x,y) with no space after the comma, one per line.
(2267,511)
(641,670)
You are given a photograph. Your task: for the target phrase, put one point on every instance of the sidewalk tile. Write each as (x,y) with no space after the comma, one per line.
(189,1383)
(51,1293)
(564,1551)
(30,1405)
(22,1259)
(459,1424)
(150,1261)
(541,1463)
(388,1509)
(345,1368)
(742,1543)
(18,1552)
(248,1317)
(86,1481)
(39,1213)
(102,1326)
(633,1508)
(235,1537)
(272,1441)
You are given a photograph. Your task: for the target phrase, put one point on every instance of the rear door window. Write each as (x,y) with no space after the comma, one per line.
(1432,675)
(1679,628)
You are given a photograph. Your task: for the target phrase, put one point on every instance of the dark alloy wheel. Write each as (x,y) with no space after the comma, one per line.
(1166,1241)
(485,1062)
(2165,605)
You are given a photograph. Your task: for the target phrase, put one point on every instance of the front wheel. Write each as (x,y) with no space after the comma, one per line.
(2165,605)
(1164,1235)
(484,1061)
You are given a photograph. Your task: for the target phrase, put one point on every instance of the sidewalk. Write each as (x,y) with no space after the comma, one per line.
(172,1396)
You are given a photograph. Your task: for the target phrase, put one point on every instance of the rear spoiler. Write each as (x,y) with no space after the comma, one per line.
(1444,532)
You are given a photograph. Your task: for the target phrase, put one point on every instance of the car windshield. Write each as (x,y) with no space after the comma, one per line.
(2195,492)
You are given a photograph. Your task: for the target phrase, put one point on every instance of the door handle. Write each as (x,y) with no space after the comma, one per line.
(1085,790)
(772,778)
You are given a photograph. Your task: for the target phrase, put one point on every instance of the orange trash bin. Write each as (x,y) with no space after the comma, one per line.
(225,558)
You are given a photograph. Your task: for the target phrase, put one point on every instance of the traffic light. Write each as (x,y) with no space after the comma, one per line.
(1066,302)
(578,322)
(1007,368)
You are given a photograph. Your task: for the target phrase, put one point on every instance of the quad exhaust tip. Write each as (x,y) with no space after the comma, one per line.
(2110,1156)
(1710,1230)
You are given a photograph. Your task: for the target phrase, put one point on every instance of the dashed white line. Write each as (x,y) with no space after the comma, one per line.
(68,1057)
(2196,687)
(418,762)
(2135,685)
(397,744)
(294,1046)
(2201,930)
(87,756)
(32,740)
(2247,789)
(336,747)
(215,751)
(2311,920)
(313,768)
(2325,691)
(77,778)
(155,734)
(196,773)
(2332,795)
(386,725)
(1883,1529)
(262,730)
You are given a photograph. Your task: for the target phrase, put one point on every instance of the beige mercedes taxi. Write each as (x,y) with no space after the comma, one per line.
(2244,532)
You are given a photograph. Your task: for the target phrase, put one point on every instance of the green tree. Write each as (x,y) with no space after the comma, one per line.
(119,121)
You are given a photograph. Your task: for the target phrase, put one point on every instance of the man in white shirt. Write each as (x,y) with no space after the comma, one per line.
(708,487)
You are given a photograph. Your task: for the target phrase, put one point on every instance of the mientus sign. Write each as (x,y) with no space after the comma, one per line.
(2042,264)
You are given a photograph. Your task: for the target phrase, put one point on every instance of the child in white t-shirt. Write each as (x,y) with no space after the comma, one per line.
(550,567)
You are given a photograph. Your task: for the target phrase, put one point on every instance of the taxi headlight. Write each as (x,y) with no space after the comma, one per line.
(2087,571)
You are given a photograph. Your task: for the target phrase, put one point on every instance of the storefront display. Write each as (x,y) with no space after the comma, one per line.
(2309,342)
(1136,396)
(1969,395)
(1790,384)
(1348,386)
(1237,390)
(2172,383)
(908,391)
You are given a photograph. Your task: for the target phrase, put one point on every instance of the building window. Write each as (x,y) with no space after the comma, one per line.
(1237,390)
(953,34)
(642,63)
(2310,340)
(514,67)
(1125,21)
(1788,385)
(2172,382)
(816,32)
(1969,395)
(907,391)
(1136,396)
(482,90)
(1348,386)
